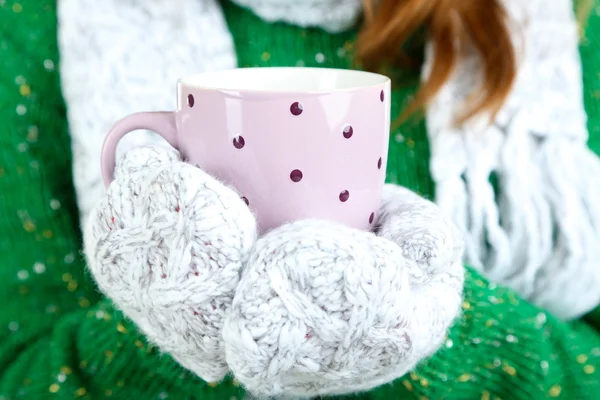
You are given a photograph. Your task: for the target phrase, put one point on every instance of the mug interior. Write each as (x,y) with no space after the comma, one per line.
(285,79)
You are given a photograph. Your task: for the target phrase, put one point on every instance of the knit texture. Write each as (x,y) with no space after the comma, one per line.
(60,339)
(167,244)
(321,309)
(536,230)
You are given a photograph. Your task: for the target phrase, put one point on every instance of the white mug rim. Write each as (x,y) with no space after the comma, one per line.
(279,80)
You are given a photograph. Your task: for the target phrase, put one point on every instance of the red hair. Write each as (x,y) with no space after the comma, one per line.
(449,25)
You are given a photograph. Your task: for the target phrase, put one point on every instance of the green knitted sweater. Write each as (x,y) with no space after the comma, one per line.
(60,339)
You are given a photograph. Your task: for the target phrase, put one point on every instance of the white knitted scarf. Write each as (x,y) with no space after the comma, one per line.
(539,233)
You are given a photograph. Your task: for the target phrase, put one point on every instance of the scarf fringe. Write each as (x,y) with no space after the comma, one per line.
(538,229)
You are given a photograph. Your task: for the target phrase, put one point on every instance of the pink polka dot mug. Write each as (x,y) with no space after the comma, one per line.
(296,143)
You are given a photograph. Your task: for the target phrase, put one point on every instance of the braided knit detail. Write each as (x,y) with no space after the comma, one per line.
(167,244)
(323,309)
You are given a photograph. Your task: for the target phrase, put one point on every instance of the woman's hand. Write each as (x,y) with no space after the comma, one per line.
(310,308)
(167,244)
(324,309)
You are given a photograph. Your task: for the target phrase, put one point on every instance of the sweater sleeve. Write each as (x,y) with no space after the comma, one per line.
(505,348)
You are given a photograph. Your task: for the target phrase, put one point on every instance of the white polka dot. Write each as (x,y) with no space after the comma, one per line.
(300,63)
(69,258)
(51,309)
(22,147)
(49,65)
(39,268)
(13,326)
(22,274)
(399,138)
(497,362)
(163,395)
(32,134)
(35,164)
(541,318)
(21,109)
(100,314)
(61,377)
(511,339)
(54,204)
(341,52)
(19,80)
(320,58)
(544,364)
(449,343)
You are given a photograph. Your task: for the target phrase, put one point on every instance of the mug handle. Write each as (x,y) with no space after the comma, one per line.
(162,122)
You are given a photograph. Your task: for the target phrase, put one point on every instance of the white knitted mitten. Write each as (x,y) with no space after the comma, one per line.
(320,308)
(324,309)
(167,244)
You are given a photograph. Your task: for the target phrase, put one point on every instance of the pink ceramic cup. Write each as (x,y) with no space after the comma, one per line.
(296,143)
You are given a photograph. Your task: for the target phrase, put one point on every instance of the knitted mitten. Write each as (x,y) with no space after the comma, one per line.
(319,309)
(167,244)
(324,309)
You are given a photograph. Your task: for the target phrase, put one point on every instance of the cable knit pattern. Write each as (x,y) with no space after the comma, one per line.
(320,308)
(124,56)
(323,309)
(539,233)
(167,245)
